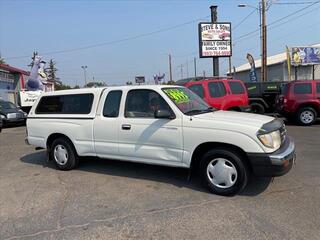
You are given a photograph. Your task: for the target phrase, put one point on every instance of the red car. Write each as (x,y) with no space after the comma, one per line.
(300,101)
(222,94)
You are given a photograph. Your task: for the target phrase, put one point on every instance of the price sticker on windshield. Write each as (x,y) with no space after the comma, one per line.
(177,95)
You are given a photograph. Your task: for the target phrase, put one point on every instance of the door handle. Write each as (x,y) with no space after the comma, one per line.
(126,126)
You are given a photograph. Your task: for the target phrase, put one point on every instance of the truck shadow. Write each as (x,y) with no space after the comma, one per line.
(169,175)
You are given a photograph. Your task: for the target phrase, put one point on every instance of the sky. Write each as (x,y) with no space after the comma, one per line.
(118,40)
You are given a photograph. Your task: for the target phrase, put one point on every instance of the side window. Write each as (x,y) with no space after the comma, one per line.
(236,88)
(318,88)
(216,89)
(65,104)
(302,88)
(197,89)
(112,104)
(143,103)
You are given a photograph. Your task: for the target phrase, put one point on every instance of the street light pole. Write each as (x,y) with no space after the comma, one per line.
(262,8)
(264,42)
(85,74)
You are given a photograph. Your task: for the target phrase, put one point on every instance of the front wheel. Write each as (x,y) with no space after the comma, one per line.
(63,154)
(306,116)
(223,172)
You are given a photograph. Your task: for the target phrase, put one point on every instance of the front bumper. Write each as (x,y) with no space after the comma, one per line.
(14,120)
(274,164)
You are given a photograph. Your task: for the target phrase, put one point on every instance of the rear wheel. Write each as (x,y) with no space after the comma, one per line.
(223,172)
(306,116)
(257,108)
(63,154)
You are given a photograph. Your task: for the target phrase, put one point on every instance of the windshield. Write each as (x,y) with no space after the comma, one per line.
(7,105)
(188,102)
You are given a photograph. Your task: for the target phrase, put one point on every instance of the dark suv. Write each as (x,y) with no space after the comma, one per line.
(299,101)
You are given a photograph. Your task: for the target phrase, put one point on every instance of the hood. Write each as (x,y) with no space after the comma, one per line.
(9,110)
(235,118)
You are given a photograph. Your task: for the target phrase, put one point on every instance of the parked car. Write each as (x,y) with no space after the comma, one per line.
(11,114)
(262,96)
(300,101)
(224,94)
(163,125)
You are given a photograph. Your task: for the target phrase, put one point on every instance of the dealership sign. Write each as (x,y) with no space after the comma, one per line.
(305,55)
(28,98)
(140,79)
(215,39)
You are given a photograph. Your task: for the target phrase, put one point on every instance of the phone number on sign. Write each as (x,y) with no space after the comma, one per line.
(216,53)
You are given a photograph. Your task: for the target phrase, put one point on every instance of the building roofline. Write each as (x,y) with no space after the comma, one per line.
(13,69)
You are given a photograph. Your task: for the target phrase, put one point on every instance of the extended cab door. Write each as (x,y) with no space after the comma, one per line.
(142,137)
(106,124)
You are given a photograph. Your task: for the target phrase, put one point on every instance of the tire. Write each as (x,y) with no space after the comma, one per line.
(63,154)
(306,116)
(257,108)
(228,174)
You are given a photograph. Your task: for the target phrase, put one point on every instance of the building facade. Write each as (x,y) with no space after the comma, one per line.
(12,81)
(277,70)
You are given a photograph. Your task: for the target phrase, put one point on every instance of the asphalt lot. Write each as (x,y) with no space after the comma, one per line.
(105,199)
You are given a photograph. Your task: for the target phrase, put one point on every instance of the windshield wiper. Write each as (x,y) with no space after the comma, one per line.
(198,111)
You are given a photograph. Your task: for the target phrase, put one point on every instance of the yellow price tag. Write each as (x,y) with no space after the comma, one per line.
(177,95)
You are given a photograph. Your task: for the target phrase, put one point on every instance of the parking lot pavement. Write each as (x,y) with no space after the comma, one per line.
(105,199)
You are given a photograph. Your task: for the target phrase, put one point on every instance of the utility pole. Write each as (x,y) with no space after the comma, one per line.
(85,74)
(215,60)
(195,67)
(264,76)
(187,69)
(170,69)
(181,71)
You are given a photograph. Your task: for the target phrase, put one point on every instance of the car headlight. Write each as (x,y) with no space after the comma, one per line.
(2,116)
(271,140)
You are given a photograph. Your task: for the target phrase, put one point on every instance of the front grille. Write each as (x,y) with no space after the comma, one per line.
(283,133)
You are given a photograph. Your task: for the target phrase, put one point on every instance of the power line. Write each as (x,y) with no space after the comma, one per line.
(248,35)
(115,41)
(293,13)
(243,20)
(292,3)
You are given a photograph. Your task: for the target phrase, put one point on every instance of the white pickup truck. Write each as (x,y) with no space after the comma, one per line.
(164,125)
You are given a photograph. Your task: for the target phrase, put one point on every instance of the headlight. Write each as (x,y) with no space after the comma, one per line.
(271,140)
(2,116)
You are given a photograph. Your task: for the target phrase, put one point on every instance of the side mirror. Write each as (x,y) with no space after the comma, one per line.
(163,114)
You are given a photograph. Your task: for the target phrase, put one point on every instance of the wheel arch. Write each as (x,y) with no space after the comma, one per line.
(55,136)
(309,104)
(201,149)
(260,101)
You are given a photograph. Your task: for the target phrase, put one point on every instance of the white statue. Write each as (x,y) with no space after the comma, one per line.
(37,74)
